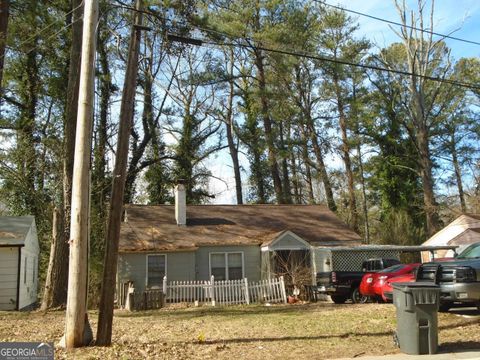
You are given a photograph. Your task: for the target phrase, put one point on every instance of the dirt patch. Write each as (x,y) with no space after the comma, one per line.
(316,331)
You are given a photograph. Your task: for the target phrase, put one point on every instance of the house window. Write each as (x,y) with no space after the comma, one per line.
(34,269)
(226,266)
(156,269)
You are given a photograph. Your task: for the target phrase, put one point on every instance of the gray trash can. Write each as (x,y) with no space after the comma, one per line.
(417,306)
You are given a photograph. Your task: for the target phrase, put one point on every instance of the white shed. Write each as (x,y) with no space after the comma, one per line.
(19,253)
(463,231)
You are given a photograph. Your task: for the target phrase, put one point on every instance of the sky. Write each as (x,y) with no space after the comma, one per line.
(457,18)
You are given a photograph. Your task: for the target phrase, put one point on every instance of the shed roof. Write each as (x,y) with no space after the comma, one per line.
(454,229)
(14,229)
(151,228)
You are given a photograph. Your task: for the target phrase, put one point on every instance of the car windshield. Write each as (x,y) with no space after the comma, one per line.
(393,268)
(471,252)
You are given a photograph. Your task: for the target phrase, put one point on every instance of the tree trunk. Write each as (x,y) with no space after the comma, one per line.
(431,206)
(267,124)
(419,60)
(26,134)
(308,172)
(148,128)
(99,182)
(321,166)
(57,264)
(56,283)
(229,123)
(364,195)
(304,85)
(458,176)
(352,202)
(287,191)
(76,315)
(4,13)
(297,189)
(253,143)
(105,316)
(257,174)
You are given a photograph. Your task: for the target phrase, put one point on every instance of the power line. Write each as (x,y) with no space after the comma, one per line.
(199,42)
(325,59)
(49,26)
(396,23)
(17,48)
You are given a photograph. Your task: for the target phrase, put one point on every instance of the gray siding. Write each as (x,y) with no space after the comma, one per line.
(29,283)
(287,242)
(8,277)
(183,266)
(133,267)
(251,258)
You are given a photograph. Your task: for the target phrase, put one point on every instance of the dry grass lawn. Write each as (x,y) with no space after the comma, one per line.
(310,331)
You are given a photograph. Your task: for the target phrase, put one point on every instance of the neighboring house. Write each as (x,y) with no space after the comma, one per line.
(463,231)
(226,241)
(19,252)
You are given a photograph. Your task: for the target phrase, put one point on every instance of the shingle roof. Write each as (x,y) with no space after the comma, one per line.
(454,229)
(151,228)
(14,229)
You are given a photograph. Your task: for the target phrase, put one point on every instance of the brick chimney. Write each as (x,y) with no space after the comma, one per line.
(180,204)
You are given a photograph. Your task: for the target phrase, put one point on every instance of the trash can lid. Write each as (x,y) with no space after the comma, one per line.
(406,286)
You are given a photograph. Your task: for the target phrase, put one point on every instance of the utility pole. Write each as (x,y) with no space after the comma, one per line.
(105,316)
(76,315)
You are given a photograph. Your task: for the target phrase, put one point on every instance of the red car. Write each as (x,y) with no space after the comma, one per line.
(387,288)
(372,283)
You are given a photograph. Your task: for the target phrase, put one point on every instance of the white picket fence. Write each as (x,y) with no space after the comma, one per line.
(225,292)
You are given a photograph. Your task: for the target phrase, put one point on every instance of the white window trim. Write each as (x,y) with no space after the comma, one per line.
(225,253)
(146,266)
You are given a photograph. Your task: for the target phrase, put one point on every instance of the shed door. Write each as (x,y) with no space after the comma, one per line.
(8,277)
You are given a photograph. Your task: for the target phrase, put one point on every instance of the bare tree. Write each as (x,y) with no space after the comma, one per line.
(105,315)
(56,282)
(294,266)
(424,57)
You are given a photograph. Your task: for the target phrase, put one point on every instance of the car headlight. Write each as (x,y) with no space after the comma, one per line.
(465,274)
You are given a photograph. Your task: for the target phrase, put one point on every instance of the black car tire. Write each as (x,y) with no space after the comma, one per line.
(444,307)
(338,299)
(358,298)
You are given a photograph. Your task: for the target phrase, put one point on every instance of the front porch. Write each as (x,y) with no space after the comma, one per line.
(291,257)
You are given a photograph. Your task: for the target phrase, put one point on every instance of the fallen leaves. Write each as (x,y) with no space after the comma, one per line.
(252,332)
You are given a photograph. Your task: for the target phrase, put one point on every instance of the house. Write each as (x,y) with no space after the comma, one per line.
(463,231)
(226,241)
(19,253)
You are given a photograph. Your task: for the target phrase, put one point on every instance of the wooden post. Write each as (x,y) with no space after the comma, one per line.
(212,289)
(76,314)
(164,289)
(247,295)
(282,289)
(105,315)
(130,302)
